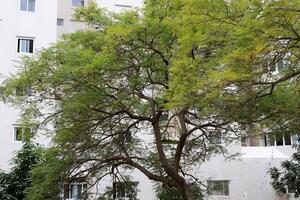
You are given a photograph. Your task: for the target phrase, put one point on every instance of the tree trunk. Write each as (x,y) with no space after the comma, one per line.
(187,192)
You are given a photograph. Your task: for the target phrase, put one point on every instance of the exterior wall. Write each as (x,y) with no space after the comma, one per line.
(40,25)
(247,174)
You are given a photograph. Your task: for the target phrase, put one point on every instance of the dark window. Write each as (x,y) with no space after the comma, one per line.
(75,190)
(25,45)
(125,190)
(218,188)
(18,134)
(279,140)
(60,22)
(128,136)
(22,133)
(27,5)
(287,139)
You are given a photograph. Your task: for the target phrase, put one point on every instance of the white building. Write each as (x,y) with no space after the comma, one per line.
(29,25)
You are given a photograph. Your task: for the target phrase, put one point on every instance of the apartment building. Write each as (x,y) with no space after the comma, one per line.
(29,25)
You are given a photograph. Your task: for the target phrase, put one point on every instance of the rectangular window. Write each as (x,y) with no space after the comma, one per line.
(75,191)
(281,140)
(22,133)
(77,2)
(27,5)
(215,136)
(25,45)
(125,190)
(60,22)
(218,188)
(295,139)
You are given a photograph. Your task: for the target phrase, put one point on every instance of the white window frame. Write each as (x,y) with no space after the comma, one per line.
(223,181)
(215,135)
(29,50)
(283,140)
(82,184)
(28,8)
(23,131)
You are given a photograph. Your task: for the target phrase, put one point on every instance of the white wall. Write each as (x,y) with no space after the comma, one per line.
(14,23)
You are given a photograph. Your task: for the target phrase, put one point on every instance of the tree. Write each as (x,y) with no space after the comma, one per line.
(286,180)
(13,185)
(173,76)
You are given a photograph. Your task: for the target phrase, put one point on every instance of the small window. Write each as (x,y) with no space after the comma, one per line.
(75,191)
(295,139)
(60,22)
(22,133)
(215,136)
(27,5)
(77,2)
(25,45)
(125,190)
(218,188)
(128,136)
(244,141)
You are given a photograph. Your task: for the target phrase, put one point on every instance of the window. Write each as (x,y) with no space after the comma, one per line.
(77,2)
(244,141)
(125,190)
(215,136)
(60,22)
(74,191)
(128,136)
(22,133)
(281,140)
(295,139)
(27,5)
(25,45)
(218,188)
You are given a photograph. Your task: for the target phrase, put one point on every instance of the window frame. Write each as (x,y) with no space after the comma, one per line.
(60,22)
(84,189)
(210,191)
(117,187)
(30,47)
(23,130)
(29,7)
(216,136)
(271,140)
(80,3)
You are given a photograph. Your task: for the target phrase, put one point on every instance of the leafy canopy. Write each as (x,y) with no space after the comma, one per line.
(172,76)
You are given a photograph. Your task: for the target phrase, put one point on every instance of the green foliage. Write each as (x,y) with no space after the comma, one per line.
(13,185)
(207,64)
(287,179)
(167,193)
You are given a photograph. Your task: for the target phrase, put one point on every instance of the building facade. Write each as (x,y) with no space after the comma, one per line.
(29,25)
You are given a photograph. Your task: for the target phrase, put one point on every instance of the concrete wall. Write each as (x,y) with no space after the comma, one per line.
(40,25)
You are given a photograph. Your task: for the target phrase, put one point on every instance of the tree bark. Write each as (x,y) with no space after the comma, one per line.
(187,193)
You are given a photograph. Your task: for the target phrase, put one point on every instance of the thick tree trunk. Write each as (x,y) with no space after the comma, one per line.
(187,192)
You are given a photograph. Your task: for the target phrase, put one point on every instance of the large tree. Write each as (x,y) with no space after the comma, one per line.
(171,75)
